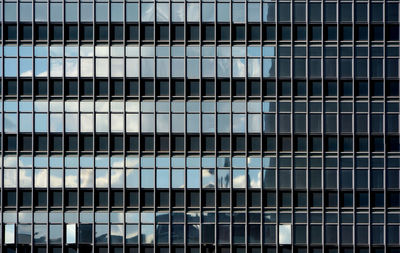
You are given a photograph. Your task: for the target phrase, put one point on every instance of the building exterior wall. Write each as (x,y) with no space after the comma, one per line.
(187,126)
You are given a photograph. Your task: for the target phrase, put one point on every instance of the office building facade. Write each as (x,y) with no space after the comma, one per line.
(199,126)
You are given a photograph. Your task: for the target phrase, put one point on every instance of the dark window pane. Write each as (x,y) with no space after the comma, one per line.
(102,88)
(56,143)
(10,87)
(239,88)
(361,12)
(392,32)
(178,88)
(132,88)
(253,32)
(178,32)
(345,11)
(330,12)
(71,88)
(223,32)
(207,233)
(25,32)
(193,32)
(41,87)
(147,32)
(224,88)
(314,32)
(71,32)
(102,32)
(10,142)
(376,32)
(314,12)
(87,32)
(238,32)
(299,12)
(346,88)
(346,32)
(193,89)
(71,198)
(87,143)
(208,32)
(208,88)
(56,198)
(10,32)
(25,87)
(117,32)
(361,32)
(376,12)
(284,32)
(25,143)
(56,32)
(163,32)
(269,32)
(178,143)
(300,32)
(117,88)
(330,32)
(132,32)
(132,143)
(284,12)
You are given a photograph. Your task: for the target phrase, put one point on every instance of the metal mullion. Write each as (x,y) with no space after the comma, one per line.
(230,143)
(63,152)
(33,123)
(17,135)
(155,122)
(307,98)
(246,130)
(261,128)
(139,191)
(109,128)
(185,127)
(292,136)
(94,127)
(170,126)
(323,153)
(124,155)
(369,126)
(170,192)
(200,122)
(185,122)
(230,137)
(338,141)
(48,123)
(385,150)
(2,115)
(276,131)
(353,121)
(79,108)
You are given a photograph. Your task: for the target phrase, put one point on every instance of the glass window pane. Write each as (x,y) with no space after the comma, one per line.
(285,234)
(71,12)
(192,178)
(238,12)
(147,178)
(25,12)
(101,12)
(147,12)
(207,12)
(253,12)
(193,12)
(131,12)
(116,12)
(10,12)
(40,12)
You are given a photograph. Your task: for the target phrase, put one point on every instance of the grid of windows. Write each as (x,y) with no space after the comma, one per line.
(211,126)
